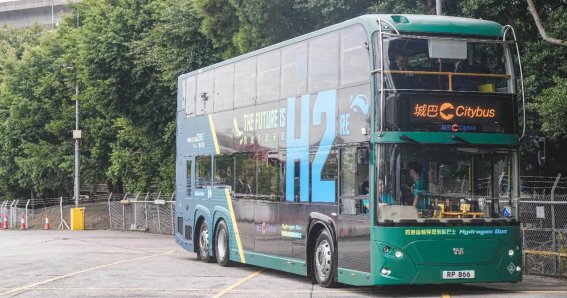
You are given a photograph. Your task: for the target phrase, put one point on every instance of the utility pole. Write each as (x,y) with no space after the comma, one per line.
(77,137)
(438,6)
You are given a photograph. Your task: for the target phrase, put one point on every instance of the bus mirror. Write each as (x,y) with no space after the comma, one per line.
(362,156)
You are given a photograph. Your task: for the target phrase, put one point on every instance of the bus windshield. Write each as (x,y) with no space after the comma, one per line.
(440,182)
(414,63)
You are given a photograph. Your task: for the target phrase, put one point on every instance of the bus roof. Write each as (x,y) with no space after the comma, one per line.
(404,23)
(443,24)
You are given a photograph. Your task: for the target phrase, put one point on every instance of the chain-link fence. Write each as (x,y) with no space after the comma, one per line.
(543,214)
(152,212)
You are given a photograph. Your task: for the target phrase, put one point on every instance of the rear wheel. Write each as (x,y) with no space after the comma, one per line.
(324,261)
(203,251)
(222,250)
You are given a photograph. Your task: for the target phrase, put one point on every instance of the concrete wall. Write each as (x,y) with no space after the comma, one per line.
(23,13)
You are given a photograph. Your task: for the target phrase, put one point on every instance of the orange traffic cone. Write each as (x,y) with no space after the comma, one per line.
(5,227)
(46,226)
(22,223)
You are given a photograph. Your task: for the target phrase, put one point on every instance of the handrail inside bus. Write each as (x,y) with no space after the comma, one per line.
(449,74)
(380,21)
(506,29)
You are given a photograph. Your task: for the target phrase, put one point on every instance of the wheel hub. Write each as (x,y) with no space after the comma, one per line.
(204,240)
(323,259)
(221,244)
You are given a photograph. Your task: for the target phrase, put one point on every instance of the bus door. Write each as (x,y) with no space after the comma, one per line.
(353,234)
(185,197)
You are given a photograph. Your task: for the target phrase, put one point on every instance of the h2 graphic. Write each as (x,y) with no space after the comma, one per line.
(298,148)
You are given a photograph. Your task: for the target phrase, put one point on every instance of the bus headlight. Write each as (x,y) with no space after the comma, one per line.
(511,253)
(399,254)
(386,271)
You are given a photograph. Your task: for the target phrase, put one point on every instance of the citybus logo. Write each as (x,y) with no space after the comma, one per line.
(444,111)
(448,111)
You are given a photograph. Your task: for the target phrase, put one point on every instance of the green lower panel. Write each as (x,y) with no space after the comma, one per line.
(276,263)
(355,278)
(420,255)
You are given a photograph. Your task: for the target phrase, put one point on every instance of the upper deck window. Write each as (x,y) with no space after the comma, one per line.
(446,64)
(245,82)
(205,93)
(188,100)
(355,64)
(224,88)
(294,69)
(269,76)
(324,62)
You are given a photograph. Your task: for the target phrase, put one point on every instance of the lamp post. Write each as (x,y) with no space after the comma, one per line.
(77,137)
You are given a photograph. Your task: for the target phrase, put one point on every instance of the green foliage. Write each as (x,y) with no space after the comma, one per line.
(125,57)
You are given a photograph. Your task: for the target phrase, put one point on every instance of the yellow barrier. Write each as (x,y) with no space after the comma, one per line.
(78,219)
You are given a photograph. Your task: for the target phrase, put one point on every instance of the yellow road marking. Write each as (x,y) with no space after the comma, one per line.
(445,295)
(33,285)
(214,133)
(237,234)
(240,282)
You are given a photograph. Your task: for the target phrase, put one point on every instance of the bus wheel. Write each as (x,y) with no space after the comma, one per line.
(204,243)
(324,264)
(222,250)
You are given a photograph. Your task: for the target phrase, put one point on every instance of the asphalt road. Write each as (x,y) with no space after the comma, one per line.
(132,264)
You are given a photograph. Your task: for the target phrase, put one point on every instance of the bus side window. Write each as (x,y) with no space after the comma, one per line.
(355,64)
(348,172)
(188,180)
(245,174)
(203,171)
(223,165)
(268,175)
(324,62)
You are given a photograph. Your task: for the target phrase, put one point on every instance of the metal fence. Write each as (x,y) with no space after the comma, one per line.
(543,214)
(152,212)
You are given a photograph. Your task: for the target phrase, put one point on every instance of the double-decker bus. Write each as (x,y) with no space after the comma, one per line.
(382,150)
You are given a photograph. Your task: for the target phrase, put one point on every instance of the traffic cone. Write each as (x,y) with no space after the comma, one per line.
(22,223)
(5,227)
(46,226)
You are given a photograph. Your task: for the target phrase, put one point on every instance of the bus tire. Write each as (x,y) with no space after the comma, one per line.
(222,248)
(324,260)
(203,243)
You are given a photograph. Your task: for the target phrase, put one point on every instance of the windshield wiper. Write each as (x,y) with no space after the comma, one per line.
(459,139)
(408,139)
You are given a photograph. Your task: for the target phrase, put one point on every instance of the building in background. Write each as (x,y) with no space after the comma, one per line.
(23,13)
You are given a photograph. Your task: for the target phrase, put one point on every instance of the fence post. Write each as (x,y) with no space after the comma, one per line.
(553,231)
(146,210)
(12,213)
(524,249)
(135,213)
(27,204)
(124,212)
(109,212)
(63,223)
(157,207)
(2,211)
(171,202)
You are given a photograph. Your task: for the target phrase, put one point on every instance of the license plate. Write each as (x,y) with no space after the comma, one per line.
(465,274)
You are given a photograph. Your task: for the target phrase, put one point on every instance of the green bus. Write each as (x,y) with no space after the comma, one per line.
(382,150)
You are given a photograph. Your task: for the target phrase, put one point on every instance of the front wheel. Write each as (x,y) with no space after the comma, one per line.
(222,250)
(324,261)
(203,250)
